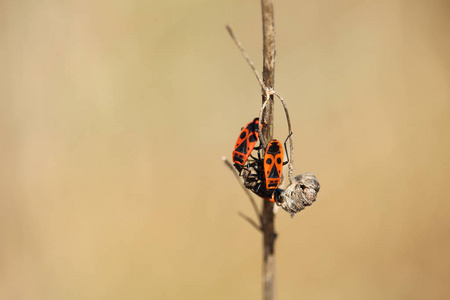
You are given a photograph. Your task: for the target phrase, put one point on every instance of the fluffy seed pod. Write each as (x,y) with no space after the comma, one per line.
(301,193)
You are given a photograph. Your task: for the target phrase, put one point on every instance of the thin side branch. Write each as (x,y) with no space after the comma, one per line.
(265,91)
(247,57)
(253,223)
(247,192)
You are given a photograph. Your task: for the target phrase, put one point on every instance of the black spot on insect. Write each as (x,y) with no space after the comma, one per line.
(278,160)
(243,134)
(268,161)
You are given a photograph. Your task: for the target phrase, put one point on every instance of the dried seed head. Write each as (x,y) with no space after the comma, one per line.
(301,193)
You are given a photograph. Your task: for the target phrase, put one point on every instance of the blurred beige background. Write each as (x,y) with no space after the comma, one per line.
(114,116)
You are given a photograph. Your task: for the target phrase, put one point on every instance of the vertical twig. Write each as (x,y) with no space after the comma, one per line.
(268,215)
(267,118)
(302,189)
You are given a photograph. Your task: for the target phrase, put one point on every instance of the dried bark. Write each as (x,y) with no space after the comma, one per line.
(268,216)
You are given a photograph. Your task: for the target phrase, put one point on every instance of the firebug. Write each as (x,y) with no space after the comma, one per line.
(273,163)
(245,143)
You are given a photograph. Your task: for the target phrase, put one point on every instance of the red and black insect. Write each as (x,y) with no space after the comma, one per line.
(245,143)
(273,164)
(263,176)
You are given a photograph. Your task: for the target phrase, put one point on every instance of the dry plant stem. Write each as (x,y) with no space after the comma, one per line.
(267,118)
(268,215)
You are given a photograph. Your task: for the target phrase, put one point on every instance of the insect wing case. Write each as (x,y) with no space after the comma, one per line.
(273,164)
(245,143)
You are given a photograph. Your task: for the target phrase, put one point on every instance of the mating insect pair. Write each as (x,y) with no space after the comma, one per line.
(261,175)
